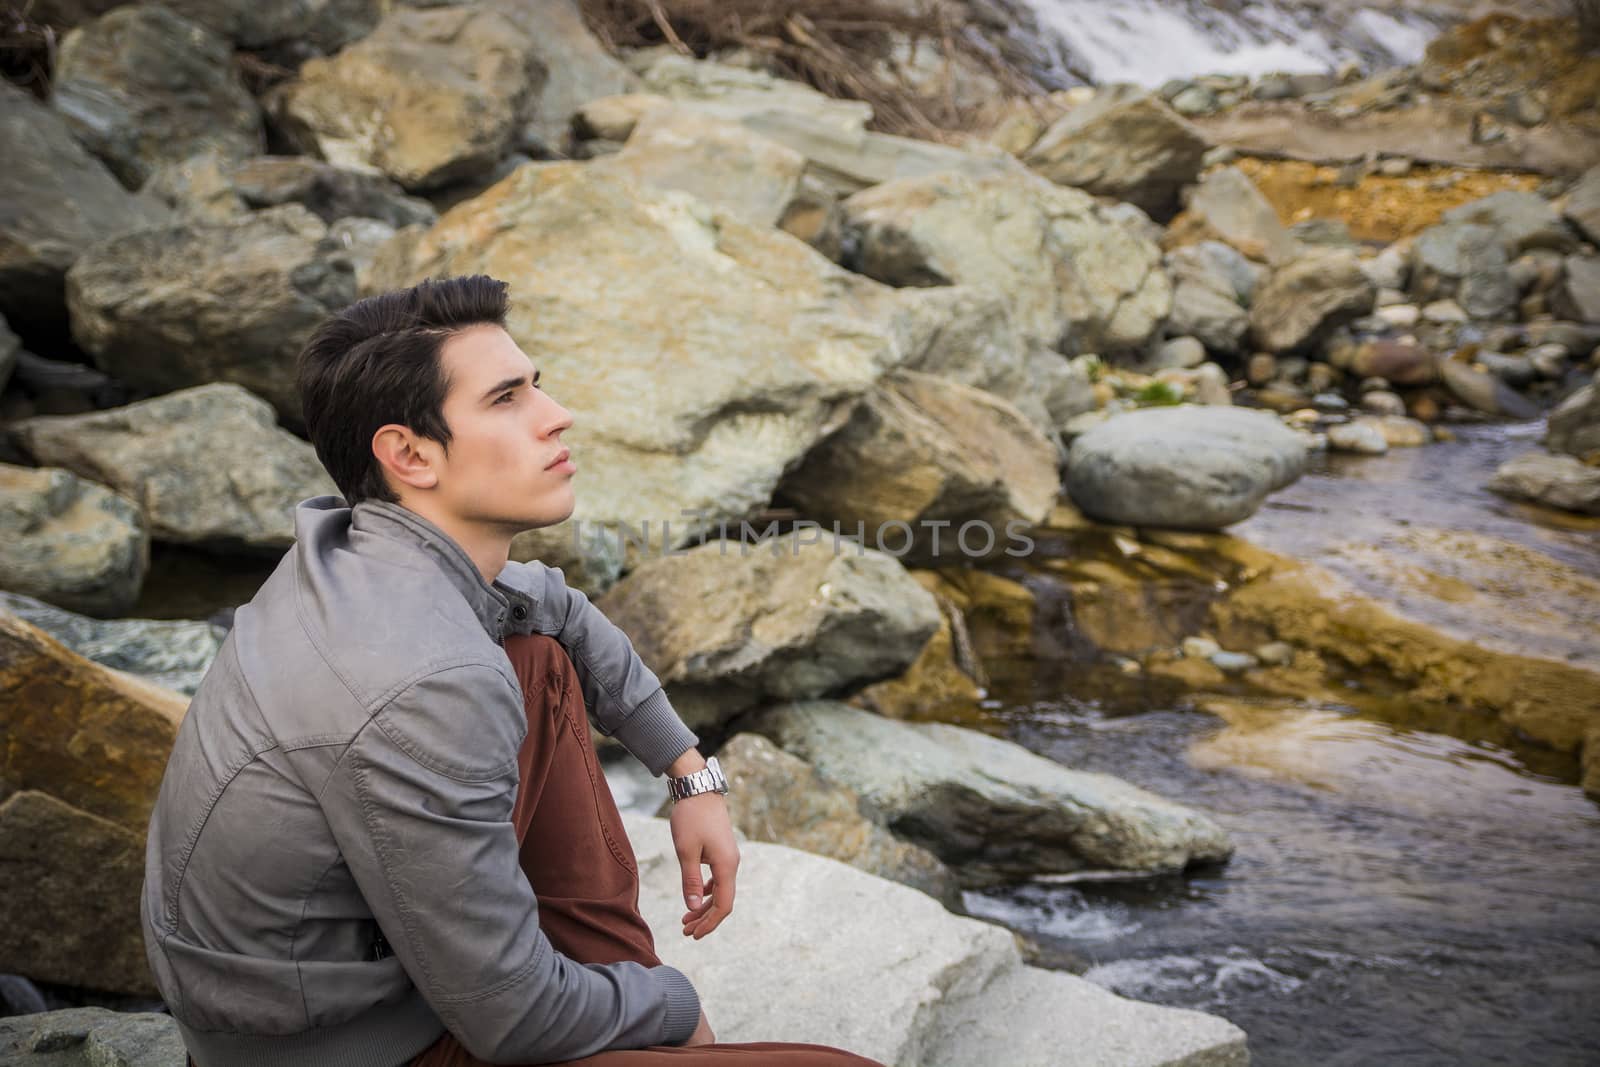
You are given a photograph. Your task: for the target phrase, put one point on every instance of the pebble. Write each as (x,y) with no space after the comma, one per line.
(1397,167)
(1400,316)
(1549,360)
(1373,385)
(1330,402)
(1275,653)
(1358,437)
(1234,662)
(1200,647)
(1398,430)
(1261,369)
(1382,402)
(1320,377)
(1444,312)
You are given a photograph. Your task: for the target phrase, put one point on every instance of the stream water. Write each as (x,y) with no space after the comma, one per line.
(1398,896)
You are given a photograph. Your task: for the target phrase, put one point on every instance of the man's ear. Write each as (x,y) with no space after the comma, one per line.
(407,458)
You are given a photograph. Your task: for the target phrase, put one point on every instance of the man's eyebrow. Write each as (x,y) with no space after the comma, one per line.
(500,387)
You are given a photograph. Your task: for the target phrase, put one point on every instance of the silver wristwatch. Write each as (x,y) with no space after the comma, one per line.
(709,779)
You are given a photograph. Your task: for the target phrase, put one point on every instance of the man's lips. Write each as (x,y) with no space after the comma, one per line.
(561,458)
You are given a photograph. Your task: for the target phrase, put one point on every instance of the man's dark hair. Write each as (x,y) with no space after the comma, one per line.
(377,362)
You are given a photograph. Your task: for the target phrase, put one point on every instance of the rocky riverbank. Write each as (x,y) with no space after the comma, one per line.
(921,412)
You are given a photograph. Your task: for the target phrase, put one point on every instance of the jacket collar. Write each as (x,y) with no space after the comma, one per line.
(508,605)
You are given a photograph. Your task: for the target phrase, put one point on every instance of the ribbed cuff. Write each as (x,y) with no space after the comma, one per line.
(654,733)
(683,1005)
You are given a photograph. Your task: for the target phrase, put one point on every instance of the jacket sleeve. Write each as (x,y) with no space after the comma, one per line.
(421,806)
(624,697)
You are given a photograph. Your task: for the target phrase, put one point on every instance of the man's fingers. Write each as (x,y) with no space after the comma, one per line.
(708,892)
(692,889)
(721,897)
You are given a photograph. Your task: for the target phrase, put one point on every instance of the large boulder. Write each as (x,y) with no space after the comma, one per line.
(747,344)
(1227,205)
(576,68)
(991,809)
(727,625)
(715,159)
(1583,205)
(70,541)
(430,97)
(1522,221)
(319,25)
(831,134)
(1555,480)
(213,188)
(70,912)
(1212,284)
(91,1037)
(1464,262)
(1578,296)
(890,974)
(141,86)
(55,201)
(1189,467)
(208,465)
(1574,426)
(1077,279)
(1302,301)
(1124,143)
(780,798)
(93,737)
(172,653)
(193,302)
(953,466)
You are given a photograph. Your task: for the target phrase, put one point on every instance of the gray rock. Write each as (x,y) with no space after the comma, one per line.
(1212,283)
(1195,100)
(1445,313)
(718,160)
(70,912)
(956,467)
(55,201)
(1124,143)
(69,541)
(1187,467)
(322,25)
(1521,220)
(1574,426)
(207,465)
(92,1037)
(831,134)
(577,67)
(1583,205)
(726,626)
(1227,202)
(170,653)
(1578,296)
(1303,301)
(1484,392)
(989,808)
(780,798)
(429,97)
(193,303)
(1182,352)
(893,976)
(1557,481)
(1388,269)
(141,86)
(329,192)
(1076,280)
(1467,263)
(1357,437)
(1516,371)
(1382,402)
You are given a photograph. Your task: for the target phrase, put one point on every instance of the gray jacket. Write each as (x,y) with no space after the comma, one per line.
(343,782)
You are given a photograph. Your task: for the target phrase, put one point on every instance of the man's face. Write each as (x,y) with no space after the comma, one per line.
(505,432)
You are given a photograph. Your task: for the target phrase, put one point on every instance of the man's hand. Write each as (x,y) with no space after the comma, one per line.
(702,1033)
(702,833)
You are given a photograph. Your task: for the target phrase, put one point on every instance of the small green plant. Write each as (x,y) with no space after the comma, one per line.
(1159,395)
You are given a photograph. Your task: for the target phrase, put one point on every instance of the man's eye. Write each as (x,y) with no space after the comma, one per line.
(504,396)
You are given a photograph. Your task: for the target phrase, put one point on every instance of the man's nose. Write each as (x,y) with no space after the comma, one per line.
(555,418)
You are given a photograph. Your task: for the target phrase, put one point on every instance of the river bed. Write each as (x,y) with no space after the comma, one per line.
(1398,895)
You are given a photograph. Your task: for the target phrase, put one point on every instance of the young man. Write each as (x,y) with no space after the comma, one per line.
(383,837)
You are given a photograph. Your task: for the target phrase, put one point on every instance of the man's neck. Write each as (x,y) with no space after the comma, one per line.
(487,546)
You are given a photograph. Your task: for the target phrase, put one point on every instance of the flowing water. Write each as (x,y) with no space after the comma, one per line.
(1399,895)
